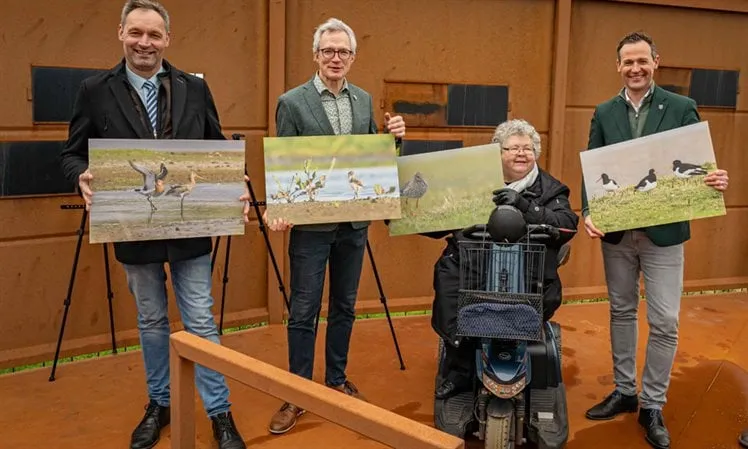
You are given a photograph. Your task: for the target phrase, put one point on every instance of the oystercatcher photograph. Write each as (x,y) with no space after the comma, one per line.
(653,180)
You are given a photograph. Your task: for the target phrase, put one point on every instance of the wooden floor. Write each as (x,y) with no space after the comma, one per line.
(96,403)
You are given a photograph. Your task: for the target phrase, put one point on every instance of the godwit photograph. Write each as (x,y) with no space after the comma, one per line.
(165,189)
(653,180)
(330,179)
(447,189)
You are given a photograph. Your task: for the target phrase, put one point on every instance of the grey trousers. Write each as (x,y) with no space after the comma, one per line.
(662,268)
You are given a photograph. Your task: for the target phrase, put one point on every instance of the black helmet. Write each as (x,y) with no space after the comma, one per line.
(506,224)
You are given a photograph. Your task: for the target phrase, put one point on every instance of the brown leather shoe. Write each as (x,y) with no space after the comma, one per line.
(348,388)
(285,418)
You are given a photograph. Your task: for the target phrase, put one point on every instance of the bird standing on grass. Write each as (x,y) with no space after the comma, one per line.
(685,171)
(153,183)
(415,188)
(610,185)
(647,183)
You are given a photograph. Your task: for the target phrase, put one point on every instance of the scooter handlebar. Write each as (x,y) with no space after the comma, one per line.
(535,232)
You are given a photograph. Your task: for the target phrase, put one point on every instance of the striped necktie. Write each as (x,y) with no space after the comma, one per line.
(151,103)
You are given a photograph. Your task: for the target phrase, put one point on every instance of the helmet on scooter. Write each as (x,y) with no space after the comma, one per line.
(506,224)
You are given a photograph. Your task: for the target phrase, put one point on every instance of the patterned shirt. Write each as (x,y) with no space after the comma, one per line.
(338,109)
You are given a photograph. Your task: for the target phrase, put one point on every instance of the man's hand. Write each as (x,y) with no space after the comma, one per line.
(592,231)
(510,197)
(717,180)
(246,197)
(278,224)
(84,184)
(395,125)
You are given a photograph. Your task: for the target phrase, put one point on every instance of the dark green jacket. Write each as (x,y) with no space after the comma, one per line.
(610,125)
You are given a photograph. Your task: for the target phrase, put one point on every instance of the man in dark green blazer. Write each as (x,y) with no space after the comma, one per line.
(642,108)
(327,104)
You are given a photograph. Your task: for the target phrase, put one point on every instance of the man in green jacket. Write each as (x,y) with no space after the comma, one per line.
(641,108)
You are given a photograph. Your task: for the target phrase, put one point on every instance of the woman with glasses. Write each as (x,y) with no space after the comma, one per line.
(542,199)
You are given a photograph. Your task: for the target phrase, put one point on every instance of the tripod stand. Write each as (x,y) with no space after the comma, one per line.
(110,293)
(256,204)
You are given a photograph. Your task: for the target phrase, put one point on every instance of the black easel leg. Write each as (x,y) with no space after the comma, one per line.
(225,281)
(109,296)
(215,253)
(383,299)
(81,229)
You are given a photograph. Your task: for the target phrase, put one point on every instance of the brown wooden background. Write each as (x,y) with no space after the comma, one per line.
(557,56)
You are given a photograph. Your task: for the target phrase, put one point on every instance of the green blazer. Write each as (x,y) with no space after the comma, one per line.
(610,124)
(299,112)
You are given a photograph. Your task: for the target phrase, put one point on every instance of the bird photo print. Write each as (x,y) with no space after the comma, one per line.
(653,180)
(331,179)
(165,189)
(447,189)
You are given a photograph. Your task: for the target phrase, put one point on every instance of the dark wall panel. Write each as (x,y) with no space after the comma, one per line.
(32,168)
(54,90)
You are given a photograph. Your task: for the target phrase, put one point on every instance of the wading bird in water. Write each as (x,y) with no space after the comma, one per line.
(355,183)
(182,190)
(153,183)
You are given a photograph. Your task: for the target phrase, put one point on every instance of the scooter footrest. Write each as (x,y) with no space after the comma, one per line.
(549,422)
(454,414)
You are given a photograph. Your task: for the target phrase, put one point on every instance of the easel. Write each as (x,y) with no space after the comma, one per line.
(110,293)
(256,204)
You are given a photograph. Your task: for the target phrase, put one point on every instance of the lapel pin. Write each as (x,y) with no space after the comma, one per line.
(659,107)
(355,98)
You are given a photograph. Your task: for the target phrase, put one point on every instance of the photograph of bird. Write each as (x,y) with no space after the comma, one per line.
(355,183)
(685,171)
(647,183)
(153,183)
(415,188)
(610,185)
(183,190)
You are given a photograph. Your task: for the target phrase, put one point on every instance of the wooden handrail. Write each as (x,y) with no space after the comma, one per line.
(362,417)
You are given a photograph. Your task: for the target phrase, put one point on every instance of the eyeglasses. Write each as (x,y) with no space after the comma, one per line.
(329,53)
(517,150)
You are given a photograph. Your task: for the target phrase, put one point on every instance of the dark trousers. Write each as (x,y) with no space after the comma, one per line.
(459,363)
(309,252)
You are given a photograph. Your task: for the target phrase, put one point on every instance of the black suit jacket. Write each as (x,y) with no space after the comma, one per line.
(104,109)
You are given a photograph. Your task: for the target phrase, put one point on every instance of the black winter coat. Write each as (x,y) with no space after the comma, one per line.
(552,207)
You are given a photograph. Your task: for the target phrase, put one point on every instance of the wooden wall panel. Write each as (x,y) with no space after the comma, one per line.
(223,40)
(597,26)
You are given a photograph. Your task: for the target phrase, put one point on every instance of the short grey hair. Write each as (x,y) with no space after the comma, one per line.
(517,127)
(153,5)
(330,25)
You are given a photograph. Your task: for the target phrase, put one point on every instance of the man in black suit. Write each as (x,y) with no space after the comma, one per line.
(144,97)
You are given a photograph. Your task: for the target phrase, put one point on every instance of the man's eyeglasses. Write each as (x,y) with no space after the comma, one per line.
(517,150)
(329,53)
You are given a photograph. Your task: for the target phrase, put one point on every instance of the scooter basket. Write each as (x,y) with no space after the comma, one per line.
(501,291)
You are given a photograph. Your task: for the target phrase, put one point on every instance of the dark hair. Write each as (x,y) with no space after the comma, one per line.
(632,38)
(153,5)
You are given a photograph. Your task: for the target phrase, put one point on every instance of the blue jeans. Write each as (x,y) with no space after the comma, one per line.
(309,253)
(191,280)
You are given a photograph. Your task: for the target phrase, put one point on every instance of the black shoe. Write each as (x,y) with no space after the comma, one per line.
(743,438)
(612,405)
(448,389)
(652,421)
(146,435)
(224,431)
